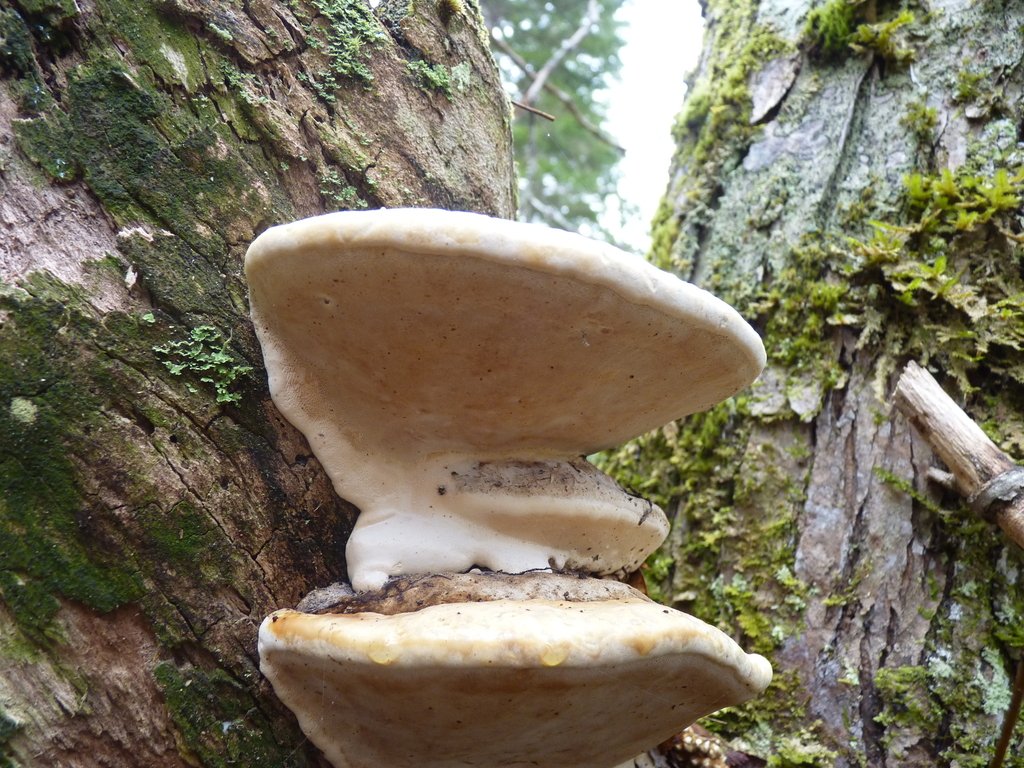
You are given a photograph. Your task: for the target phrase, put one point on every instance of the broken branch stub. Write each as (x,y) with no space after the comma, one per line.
(991,481)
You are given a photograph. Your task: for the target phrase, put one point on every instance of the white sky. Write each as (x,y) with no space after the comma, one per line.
(663,40)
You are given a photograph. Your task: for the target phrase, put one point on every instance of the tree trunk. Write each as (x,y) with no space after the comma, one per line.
(155,507)
(849,177)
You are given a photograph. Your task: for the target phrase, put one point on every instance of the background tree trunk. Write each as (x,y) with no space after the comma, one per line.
(154,507)
(848,175)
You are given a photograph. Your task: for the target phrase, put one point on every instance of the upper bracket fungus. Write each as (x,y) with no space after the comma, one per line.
(451,371)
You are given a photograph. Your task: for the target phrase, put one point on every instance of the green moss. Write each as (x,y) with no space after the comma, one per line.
(838,27)
(697,107)
(219,721)
(776,723)
(921,121)
(179,279)
(44,142)
(50,12)
(829,27)
(665,231)
(41,501)
(434,77)
(903,485)
(956,694)
(945,271)
(71,398)
(937,279)
(968,84)
(187,538)
(906,697)
(450,9)
(885,39)
(694,471)
(346,37)
(725,105)
(147,160)
(801,749)
(16,53)
(161,43)
(798,311)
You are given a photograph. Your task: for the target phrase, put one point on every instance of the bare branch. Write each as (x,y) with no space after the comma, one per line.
(558,93)
(1012,714)
(992,483)
(549,212)
(533,110)
(590,17)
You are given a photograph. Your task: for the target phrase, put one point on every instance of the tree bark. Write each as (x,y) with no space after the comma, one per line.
(154,506)
(830,186)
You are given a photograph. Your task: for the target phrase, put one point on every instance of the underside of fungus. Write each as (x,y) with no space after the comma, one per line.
(503,682)
(451,372)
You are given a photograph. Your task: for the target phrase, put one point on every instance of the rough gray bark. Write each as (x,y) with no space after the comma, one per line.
(154,507)
(804,520)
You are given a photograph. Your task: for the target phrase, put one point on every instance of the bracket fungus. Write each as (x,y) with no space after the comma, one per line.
(450,371)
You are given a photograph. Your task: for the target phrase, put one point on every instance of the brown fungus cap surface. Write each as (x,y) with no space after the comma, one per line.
(513,683)
(448,369)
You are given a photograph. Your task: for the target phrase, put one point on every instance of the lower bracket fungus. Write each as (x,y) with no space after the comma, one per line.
(450,371)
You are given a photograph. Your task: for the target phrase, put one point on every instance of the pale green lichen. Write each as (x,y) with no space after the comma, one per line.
(23,410)
(993,684)
(462,76)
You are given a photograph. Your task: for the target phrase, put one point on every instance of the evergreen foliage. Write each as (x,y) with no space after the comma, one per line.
(567,167)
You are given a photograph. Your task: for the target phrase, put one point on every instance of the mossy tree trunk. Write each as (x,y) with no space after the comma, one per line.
(849,176)
(154,507)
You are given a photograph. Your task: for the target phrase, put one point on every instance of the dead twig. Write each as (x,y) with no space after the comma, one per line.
(533,110)
(991,481)
(590,17)
(1012,714)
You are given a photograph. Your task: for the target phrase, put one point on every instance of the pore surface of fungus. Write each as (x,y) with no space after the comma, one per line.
(512,683)
(449,370)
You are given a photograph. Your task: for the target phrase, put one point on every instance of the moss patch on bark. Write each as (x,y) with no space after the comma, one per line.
(851,249)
